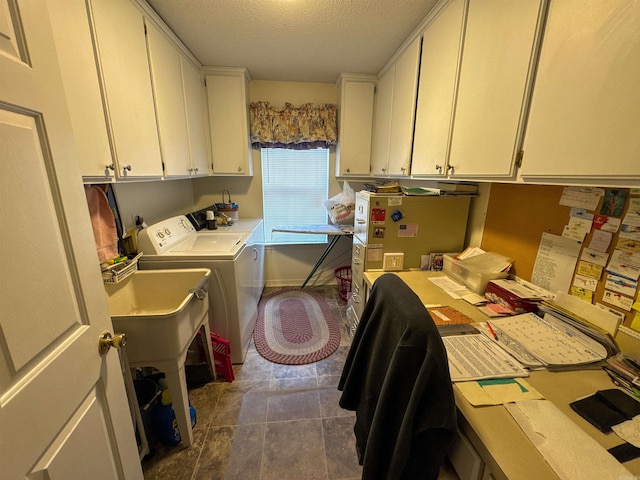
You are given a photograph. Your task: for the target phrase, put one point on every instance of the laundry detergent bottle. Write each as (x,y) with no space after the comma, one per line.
(166,425)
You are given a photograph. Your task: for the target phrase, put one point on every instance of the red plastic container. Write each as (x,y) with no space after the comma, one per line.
(343,274)
(222,357)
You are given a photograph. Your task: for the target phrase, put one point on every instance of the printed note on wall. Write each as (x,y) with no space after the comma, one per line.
(581,197)
(555,262)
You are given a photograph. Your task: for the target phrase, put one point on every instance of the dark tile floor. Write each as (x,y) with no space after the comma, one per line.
(274,422)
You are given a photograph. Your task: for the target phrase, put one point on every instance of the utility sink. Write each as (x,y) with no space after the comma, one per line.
(160,312)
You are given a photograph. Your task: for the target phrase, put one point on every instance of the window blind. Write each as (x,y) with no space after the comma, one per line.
(295,183)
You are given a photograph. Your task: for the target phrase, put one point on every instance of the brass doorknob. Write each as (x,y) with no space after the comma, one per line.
(106,341)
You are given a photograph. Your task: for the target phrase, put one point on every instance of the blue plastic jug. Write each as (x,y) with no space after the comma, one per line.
(165,423)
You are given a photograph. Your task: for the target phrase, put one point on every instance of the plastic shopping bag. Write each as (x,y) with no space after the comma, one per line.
(340,207)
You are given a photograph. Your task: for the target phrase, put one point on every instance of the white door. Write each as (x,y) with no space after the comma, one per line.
(63,407)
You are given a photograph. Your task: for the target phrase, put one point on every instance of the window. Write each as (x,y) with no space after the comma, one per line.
(295,183)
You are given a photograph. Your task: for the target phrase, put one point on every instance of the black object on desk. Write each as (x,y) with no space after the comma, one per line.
(335,231)
(607,408)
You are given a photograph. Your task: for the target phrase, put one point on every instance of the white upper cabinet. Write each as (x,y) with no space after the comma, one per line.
(228,102)
(355,124)
(382,123)
(395,114)
(441,42)
(585,109)
(166,72)
(195,101)
(123,62)
(84,99)
(501,37)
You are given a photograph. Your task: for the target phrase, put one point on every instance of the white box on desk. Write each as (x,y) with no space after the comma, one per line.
(475,279)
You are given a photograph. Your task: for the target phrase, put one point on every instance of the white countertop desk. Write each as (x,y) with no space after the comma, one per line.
(334,231)
(494,434)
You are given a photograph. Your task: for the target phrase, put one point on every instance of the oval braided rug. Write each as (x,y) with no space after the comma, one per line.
(295,327)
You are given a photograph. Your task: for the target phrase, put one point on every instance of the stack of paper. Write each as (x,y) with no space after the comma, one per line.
(552,310)
(551,341)
(516,296)
(474,357)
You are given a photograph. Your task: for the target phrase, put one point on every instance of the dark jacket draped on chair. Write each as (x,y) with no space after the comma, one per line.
(396,379)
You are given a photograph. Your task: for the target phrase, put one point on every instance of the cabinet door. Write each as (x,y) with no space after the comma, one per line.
(585,109)
(166,72)
(382,123)
(403,108)
(74,47)
(353,153)
(119,30)
(229,122)
(436,90)
(494,79)
(194,96)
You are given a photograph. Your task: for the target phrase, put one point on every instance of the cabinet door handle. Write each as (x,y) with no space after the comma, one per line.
(127,168)
(361,221)
(111,166)
(451,169)
(355,260)
(355,298)
(255,254)
(439,168)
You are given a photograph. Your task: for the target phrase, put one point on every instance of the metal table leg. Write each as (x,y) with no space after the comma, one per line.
(334,240)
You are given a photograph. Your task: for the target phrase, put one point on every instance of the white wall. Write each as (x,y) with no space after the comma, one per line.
(477,216)
(153,201)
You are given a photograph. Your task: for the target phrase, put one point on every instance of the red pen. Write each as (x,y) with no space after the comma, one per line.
(495,337)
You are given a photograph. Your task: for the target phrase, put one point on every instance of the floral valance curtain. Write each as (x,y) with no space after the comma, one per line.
(299,128)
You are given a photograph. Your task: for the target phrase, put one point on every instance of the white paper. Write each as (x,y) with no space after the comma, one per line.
(582,213)
(621,285)
(588,283)
(617,300)
(570,451)
(473,298)
(581,197)
(613,311)
(474,357)
(451,287)
(607,321)
(629,431)
(551,341)
(630,232)
(600,240)
(624,264)
(577,228)
(555,262)
(594,256)
(608,224)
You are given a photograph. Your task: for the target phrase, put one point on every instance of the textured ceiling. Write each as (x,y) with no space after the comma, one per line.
(294,40)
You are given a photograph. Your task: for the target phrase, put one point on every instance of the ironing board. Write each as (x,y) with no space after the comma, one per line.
(335,231)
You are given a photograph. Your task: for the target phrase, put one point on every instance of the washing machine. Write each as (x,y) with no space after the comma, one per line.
(235,256)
